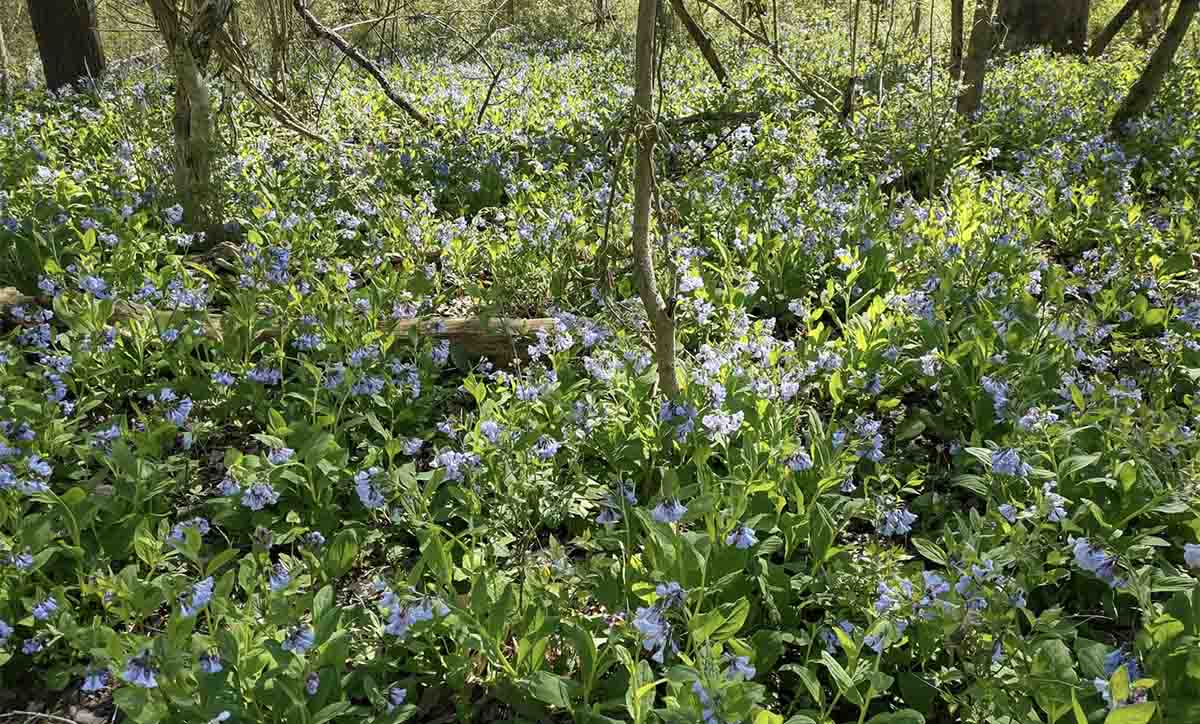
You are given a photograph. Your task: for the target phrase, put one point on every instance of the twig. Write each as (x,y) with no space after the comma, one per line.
(347,49)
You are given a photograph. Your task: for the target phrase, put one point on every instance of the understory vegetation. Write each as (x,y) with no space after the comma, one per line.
(934,456)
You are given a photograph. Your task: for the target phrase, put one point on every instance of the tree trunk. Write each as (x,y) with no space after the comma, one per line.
(916,17)
(602,13)
(975,64)
(193,120)
(956,39)
(647,134)
(702,41)
(1062,24)
(67,39)
(1143,91)
(4,82)
(1150,15)
(1100,44)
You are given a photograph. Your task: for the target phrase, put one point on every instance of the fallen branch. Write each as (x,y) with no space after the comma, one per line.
(352,53)
(501,340)
(702,41)
(715,117)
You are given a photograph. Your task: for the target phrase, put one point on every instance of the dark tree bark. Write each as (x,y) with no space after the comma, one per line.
(956,39)
(702,41)
(645,127)
(1062,24)
(1143,91)
(1100,44)
(67,39)
(975,64)
(1150,15)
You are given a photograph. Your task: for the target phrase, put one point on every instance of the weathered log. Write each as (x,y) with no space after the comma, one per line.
(500,340)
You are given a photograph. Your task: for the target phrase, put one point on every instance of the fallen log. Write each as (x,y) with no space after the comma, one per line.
(500,340)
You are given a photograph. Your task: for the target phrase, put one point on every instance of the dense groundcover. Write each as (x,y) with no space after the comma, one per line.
(935,460)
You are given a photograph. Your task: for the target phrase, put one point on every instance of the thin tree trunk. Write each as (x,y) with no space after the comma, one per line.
(349,51)
(67,39)
(956,39)
(193,117)
(4,82)
(647,134)
(916,18)
(1100,44)
(975,64)
(1141,95)
(848,96)
(702,41)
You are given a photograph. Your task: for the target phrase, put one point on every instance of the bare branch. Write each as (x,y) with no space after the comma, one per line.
(362,61)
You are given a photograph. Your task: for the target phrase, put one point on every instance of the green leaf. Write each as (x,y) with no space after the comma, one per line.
(703,625)
(551,689)
(844,683)
(930,550)
(1132,714)
(821,532)
(734,620)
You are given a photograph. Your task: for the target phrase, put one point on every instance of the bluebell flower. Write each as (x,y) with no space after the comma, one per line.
(279,577)
(279,456)
(1006,461)
(169,335)
(668,511)
(139,672)
(1055,502)
(1097,561)
(546,447)
(608,516)
(312,684)
(895,519)
(368,493)
(800,462)
(33,645)
(491,430)
(178,414)
(95,286)
(22,561)
(396,697)
(173,215)
(223,379)
(655,631)
(1191,555)
(38,467)
(179,531)
(300,639)
(999,392)
(1009,512)
(312,539)
(307,342)
(875,642)
(412,446)
(739,667)
(259,496)
(45,609)
(95,681)
(5,631)
(440,354)
(722,423)
(455,464)
(202,593)
(886,599)
(210,663)
(670,594)
(742,537)
(265,375)
(931,364)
